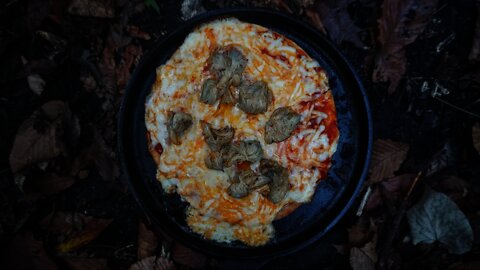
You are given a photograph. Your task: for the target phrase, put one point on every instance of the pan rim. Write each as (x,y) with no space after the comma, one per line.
(210,15)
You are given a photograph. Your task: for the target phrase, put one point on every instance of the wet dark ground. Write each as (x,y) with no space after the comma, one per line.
(63,201)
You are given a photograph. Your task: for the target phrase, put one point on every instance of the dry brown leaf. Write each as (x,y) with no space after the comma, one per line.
(25,253)
(147,241)
(40,137)
(454,187)
(314,19)
(153,263)
(48,184)
(476,136)
(92,8)
(336,20)
(99,154)
(387,156)
(73,230)
(475,50)
(79,263)
(135,32)
(91,231)
(361,232)
(393,188)
(131,55)
(465,266)
(183,255)
(364,258)
(402,21)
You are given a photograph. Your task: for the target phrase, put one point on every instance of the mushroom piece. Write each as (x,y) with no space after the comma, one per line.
(227,61)
(281,124)
(253,180)
(245,182)
(254,98)
(227,64)
(209,92)
(225,93)
(279,185)
(238,189)
(238,61)
(214,161)
(216,138)
(177,124)
(249,150)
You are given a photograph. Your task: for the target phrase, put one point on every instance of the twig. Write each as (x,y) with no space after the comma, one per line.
(364,201)
(387,246)
(457,107)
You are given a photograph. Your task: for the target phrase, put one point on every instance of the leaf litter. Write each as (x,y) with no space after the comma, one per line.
(436,218)
(58,169)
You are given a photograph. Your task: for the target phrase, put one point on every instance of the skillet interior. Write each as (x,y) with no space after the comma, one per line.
(333,195)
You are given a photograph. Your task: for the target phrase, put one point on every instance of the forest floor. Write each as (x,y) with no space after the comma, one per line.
(64,68)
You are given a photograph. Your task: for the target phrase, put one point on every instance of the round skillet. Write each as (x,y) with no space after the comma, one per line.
(333,196)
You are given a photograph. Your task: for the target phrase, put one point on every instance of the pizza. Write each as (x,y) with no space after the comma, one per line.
(241,123)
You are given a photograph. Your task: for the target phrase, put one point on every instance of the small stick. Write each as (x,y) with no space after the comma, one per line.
(364,201)
(387,247)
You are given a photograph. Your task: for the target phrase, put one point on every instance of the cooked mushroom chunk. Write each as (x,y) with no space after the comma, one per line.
(279,185)
(238,61)
(227,64)
(238,189)
(209,92)
(253,180)
(254,98)
(177,124)
(217,138)
(249,150)
(214,161)
(281,124)
(245,182)
(227,61)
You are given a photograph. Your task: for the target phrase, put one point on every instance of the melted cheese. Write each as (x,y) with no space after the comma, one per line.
(295,79)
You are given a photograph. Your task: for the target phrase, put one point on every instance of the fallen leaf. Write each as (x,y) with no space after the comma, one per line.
(436,218)
(465,266)
(315,19)
(443,158)
(153,263)
(36,83)
(475,50)
(92,8)
(73,230)
(99,154)
(131,55)
(25,253)
(80,263)
(152,4)
(147,241)
(337,22)
(387,156)
(364,258)
(37,11)
(49,183)
(135,32)
(452,186)
(91,231)
(476,135)
(393,188)
(185,256)
(402,21)
(361,232)
(41,136)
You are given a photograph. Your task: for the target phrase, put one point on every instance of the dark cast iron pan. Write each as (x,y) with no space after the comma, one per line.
(333,196)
